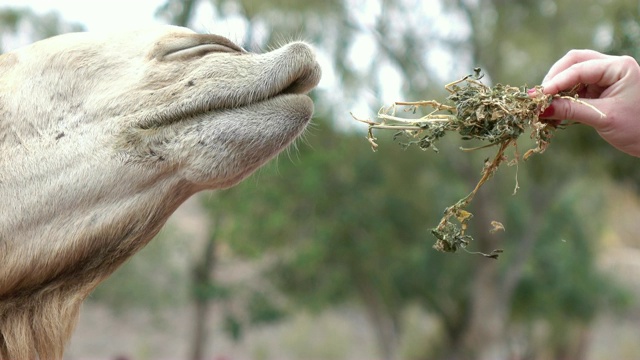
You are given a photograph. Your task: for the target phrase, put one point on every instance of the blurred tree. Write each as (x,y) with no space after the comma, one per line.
(142,283)
(345,226)
(204,290)
(177,12)
(354,207)
(355,228)
(624,28)
(24,21)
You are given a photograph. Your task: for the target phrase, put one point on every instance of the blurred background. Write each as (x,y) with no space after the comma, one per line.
(325,253)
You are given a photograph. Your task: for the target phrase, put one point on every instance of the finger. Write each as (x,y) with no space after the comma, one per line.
(562,109)
(571,58)
(600,72)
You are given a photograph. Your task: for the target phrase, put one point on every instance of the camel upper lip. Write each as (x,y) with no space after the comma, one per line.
(299,83)
(308,79)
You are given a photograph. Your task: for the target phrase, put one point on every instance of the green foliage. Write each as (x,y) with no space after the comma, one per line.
(232,327)
(211,292)
(278,7)
(262,309)
(37,27)
(567,288)
(322,208)
(258,308)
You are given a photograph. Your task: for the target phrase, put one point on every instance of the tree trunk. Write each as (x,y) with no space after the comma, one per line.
(489,314)
(386,334)
(203,283)
(384,323)
(200,333)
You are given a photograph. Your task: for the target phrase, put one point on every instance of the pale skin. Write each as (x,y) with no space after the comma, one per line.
(612,86)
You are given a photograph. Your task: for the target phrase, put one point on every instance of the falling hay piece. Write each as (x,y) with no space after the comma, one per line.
(496,226)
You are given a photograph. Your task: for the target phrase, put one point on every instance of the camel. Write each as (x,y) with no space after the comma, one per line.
(103,136)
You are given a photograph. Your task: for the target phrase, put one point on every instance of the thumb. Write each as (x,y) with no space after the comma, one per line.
(562,109)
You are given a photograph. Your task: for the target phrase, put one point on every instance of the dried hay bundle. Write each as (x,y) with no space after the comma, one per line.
(497,116)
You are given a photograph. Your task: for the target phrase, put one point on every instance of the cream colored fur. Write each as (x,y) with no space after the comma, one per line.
(102,137)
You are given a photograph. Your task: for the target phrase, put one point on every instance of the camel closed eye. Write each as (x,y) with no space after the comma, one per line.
(203,45)
(198,51)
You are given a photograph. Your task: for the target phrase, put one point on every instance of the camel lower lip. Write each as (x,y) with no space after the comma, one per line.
(284,102)
(299,105)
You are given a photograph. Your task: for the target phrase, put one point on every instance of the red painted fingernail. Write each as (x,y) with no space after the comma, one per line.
(548,112)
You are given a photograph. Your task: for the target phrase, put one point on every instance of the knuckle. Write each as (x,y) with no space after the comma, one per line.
(578,53)
(568,111)
(574,52)
(627,60)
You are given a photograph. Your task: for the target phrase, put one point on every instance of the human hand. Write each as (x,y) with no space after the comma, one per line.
(612,85)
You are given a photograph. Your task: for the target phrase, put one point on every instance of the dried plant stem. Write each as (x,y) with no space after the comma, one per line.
(488,172)
(578,101)
(457,210)
(428,118)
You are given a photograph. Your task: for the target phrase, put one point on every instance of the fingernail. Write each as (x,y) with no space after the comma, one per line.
(531,91)
(548,112)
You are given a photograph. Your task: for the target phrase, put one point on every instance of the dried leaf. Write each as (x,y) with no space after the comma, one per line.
(496,226)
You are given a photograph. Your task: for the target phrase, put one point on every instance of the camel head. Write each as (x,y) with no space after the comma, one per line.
(102,137)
